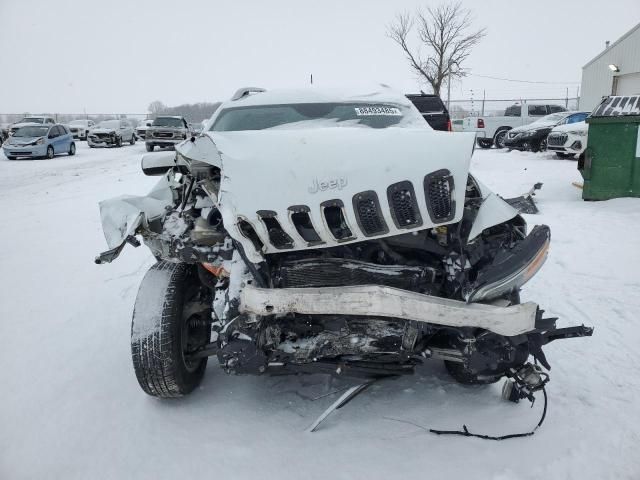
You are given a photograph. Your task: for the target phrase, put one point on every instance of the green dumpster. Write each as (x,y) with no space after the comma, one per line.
(611,163)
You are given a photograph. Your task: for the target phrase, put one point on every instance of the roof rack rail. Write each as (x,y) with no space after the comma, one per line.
(246,91)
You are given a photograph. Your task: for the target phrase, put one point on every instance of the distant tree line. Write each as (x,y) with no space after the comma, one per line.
(193,112)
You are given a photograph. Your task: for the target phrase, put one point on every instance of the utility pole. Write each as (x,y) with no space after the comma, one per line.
(449,90)
(566,99)
(312,79)
(484,97)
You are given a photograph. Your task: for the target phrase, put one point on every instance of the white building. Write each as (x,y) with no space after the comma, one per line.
(615,71)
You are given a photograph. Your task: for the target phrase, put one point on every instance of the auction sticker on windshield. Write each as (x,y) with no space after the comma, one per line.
(378,110)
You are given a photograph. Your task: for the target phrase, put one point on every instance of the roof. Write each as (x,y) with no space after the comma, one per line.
(618,105)
(312,94)
(164,116)
(611,46)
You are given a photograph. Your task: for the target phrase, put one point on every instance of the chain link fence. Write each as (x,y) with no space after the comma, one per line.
(472,107)
(135,118)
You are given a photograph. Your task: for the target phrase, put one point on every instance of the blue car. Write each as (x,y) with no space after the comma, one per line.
(39,141)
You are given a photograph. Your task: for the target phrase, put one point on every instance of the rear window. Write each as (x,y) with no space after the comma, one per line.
(314,115)
(428,104)
(513,111)
(537,110)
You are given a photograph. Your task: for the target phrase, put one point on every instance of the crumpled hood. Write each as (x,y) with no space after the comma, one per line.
(22,140)
(102,130)
(272,170)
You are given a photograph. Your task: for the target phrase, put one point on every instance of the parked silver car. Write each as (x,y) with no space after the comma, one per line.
(166,131)
(111,133)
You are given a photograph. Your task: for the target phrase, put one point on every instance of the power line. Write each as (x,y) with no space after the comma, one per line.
(520,81)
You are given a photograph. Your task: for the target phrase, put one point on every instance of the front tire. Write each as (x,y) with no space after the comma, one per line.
(72,149)
(498,139)
(149,147)
(171,317)
(50,152)
(118,142)
(133,139)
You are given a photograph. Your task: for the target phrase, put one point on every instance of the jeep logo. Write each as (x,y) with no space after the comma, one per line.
(329,184)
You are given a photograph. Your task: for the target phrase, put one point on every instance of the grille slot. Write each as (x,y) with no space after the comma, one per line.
(404,205)
(369,214)
(247,231)
(557,139)
(438,190)
(333,212)
(304,226)
(277,236)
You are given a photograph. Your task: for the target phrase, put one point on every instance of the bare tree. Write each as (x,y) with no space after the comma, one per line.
(444,32)
(156,107)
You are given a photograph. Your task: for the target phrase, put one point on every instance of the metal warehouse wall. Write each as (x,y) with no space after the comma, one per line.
(597,78)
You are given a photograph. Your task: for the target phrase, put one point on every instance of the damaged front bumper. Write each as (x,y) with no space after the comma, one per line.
(376,300)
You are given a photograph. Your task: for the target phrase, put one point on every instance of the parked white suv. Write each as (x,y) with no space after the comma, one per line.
(568,140)
(492,130)
(80,128)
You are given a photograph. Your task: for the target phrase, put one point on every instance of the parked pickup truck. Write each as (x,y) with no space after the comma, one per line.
(492,130)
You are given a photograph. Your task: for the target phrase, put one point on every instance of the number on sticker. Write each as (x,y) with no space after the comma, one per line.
(378,110)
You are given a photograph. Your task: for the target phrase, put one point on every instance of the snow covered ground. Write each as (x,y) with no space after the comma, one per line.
(71,407)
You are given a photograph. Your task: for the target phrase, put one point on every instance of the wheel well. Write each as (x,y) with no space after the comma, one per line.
(502,129)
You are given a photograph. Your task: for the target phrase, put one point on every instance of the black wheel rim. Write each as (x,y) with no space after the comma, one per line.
(543,145)
(49,152)
(196,329)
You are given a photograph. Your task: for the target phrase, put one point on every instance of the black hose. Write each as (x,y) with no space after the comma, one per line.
(466,433)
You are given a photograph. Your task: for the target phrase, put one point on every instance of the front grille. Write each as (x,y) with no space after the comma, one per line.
(438,189)
(368,213)
(335,272)
(365,217)
(102,136)
(163,134)
(404,205)
(557,139)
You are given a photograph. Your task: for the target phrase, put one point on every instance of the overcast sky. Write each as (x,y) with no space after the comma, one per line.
(117,56)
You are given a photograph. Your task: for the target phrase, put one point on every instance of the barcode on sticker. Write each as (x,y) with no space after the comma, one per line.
(379,110)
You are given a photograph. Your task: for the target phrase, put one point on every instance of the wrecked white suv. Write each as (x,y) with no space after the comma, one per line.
(314,231)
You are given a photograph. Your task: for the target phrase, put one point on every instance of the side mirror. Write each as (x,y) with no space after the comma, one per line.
(157,165)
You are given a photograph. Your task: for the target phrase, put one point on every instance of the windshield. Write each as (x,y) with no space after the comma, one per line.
(32,120)
(312,115)
(168,122)
(109,124)
(31,132)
